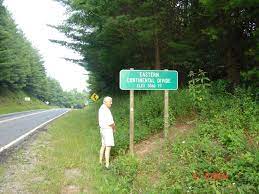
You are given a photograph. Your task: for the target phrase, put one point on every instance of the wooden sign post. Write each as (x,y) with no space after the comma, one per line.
(131,121)
(166,112)
(148,80)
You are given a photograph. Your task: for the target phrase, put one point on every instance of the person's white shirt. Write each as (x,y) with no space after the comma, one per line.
(105,117)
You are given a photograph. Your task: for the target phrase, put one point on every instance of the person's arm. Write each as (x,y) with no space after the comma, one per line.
(110,120)
(113,126)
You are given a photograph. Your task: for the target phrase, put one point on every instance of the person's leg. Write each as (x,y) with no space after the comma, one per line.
(101,154)
(107,156)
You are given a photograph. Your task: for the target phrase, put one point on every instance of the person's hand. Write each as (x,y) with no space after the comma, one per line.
(113,128)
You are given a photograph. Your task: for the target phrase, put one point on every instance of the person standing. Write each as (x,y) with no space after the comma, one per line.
(107,128)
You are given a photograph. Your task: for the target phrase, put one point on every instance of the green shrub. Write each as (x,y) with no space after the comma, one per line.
(148,115)
(198,88)
(180,104)
(225,140)
(126,167)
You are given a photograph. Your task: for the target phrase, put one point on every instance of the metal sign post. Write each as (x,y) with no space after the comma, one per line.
(94,97)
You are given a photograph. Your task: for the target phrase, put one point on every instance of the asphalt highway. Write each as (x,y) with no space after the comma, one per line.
(16,126)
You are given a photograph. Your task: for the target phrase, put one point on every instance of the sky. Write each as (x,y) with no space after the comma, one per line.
(32,17)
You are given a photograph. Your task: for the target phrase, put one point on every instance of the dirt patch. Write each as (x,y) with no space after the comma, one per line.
(149,145)
(73,189)
(156,141)
(18,162)
(70,189)
(180,128)
(72,173)
(152,152)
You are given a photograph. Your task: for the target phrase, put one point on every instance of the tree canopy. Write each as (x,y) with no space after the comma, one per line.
(21,66)
(218,36)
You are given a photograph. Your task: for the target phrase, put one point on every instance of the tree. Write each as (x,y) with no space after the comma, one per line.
(231,27)
(218,36)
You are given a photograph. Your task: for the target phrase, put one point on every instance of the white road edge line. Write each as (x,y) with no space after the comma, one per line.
(24,116)
(10,114)
(28,133)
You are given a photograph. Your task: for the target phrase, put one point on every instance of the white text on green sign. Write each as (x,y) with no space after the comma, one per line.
(148,80)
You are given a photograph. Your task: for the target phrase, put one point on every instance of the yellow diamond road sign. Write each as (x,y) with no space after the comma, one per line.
(94,97)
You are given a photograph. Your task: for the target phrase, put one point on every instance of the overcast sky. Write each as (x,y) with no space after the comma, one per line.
(32,17)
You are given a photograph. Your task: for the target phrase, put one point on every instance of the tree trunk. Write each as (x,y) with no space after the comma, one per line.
(256,50)
(233,67)
(234,53)
(157,53)
(186,13)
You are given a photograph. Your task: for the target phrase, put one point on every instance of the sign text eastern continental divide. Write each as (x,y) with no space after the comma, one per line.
(148,80)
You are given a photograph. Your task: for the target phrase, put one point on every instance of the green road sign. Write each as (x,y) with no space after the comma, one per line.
(148,80)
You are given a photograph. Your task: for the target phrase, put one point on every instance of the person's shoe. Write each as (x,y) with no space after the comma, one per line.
(107,168)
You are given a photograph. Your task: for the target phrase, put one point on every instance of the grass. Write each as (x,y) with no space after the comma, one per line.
(73,150)
(14,102)
(1,171)
(225,141)
(68,155)
(74,147)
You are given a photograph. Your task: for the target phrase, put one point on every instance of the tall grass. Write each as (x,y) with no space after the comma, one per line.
(224,141)
(148,114)
(73,145)
(75,141)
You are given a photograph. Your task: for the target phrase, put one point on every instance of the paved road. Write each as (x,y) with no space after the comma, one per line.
(12,115)
(15,127)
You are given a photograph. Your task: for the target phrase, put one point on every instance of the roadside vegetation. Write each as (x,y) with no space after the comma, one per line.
(219,155)
(1,172)
(14,102)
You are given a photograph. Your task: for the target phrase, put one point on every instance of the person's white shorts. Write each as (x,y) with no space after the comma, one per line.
(107,137)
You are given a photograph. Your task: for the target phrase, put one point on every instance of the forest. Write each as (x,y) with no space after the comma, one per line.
(21,67)
(220,37)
